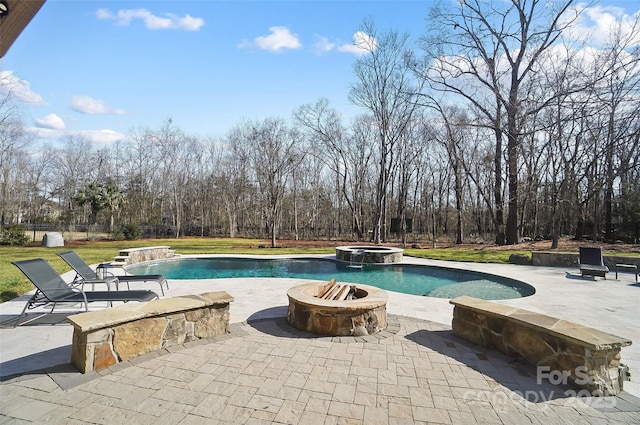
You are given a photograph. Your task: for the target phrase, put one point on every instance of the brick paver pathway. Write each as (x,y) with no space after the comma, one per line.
(265,372)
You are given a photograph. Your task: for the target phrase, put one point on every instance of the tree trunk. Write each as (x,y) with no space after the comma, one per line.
(498,219)
(608,191)
(380,199)
(273,233)
(458,186)
(512,217)
(513,140)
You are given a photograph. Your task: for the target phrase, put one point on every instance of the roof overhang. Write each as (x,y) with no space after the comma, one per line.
(18,17)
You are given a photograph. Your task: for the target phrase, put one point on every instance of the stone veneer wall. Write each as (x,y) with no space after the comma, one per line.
(559,259)
(590,358)
(381,257)
(149,253)
(357,317)
(373,254)
(105,337)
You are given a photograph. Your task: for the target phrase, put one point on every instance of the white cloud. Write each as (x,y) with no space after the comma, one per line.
(45,133)
(91,106)
(51,121)
(153,22)
(104,14)
(280,38)
(103,136)
(362,44)
(597,23)
(189,23)
(19,88)
(323,45)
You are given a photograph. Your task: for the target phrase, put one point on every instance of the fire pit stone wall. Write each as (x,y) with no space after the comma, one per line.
(361,316)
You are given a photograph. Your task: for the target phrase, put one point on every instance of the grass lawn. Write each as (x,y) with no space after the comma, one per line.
(13,283)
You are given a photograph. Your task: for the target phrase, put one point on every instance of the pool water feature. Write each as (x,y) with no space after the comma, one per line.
(412,279)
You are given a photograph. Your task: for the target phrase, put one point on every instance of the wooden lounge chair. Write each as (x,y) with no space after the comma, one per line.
(52,289)
(591,262)
(85,274)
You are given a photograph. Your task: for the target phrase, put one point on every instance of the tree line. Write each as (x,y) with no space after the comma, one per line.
(495,126)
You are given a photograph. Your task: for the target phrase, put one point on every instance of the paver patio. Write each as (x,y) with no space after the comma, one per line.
(264,371)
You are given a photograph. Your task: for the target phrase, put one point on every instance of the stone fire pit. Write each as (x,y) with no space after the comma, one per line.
(364,314)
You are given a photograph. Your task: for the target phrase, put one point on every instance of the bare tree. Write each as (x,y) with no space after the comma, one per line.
(484,52)
(13,143)
(411,147)
(325,134)
(73,167)
(452,136)
(617,91)
(345,151)
(360,154)
(37,185)
(273,151)
(232,175)
(171,147)
(311,184)
(141,165)
(387,89)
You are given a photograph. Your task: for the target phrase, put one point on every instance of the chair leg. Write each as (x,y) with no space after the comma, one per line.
(27,306)
(24,309)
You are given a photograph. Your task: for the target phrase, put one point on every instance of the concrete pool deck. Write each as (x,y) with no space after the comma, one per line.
(266,372)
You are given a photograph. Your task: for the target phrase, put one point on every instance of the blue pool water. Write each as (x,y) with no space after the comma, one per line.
(406,278)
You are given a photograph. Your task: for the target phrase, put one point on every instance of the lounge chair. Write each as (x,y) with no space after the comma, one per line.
(591,262)
(51,288)
(85,274)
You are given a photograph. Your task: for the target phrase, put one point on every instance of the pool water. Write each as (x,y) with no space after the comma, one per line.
(405,278)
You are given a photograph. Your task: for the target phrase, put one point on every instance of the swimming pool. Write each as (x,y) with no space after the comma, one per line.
(412,279)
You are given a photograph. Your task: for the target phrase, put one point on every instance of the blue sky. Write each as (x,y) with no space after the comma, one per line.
(104,68)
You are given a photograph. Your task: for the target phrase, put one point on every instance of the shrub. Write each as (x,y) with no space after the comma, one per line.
(132,232)
(128,232)
(13,235)
(117,235)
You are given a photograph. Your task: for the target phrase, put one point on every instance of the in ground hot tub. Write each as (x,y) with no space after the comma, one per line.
(371,254)
(364,314)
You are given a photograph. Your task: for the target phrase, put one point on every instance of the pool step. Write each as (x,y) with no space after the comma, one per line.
(119,260)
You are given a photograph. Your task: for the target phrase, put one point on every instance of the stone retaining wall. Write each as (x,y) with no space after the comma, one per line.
(587,357)
(105,337)
(559,259)
(130,256)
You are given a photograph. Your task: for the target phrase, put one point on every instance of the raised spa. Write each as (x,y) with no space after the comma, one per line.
(369,254)
(365,314)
